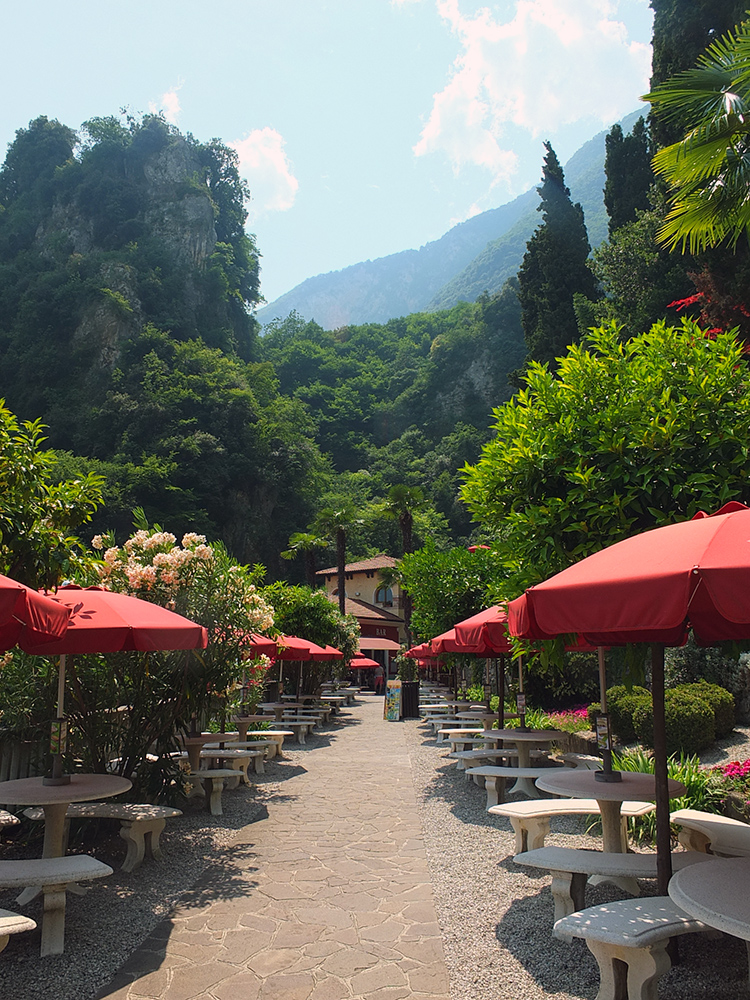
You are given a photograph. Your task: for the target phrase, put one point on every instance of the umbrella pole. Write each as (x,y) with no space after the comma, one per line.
(521,698)
(58,741)
(604,730)
(663,836)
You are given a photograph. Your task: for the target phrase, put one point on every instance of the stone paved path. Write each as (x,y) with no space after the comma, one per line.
(327,898)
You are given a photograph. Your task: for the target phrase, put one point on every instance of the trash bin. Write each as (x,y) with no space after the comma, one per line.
(410,699)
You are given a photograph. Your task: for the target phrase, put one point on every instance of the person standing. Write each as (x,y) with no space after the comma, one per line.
(379,679)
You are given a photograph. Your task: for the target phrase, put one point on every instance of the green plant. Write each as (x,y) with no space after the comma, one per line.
(720,700)
(621,703)
(691,662)
(702,790)
(689,720)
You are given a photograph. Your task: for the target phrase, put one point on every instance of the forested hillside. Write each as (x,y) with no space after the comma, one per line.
(127,284)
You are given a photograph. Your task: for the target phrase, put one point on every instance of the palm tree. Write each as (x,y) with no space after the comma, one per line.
(307,543)
(334,523)
(709,169)
(401,503)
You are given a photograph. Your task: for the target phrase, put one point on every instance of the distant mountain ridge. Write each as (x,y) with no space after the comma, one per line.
(475,256)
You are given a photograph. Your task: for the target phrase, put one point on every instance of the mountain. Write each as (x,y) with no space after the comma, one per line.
(474,256)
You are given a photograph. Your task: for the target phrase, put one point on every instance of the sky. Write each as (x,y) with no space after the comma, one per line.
(363,127)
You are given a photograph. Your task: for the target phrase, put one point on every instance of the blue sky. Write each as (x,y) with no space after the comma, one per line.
(364,127)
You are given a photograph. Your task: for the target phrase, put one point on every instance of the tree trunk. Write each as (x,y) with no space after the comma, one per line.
(341,552)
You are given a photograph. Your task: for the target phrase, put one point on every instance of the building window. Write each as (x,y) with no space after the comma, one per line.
(384,596)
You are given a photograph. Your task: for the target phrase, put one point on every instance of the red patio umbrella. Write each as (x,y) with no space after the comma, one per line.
(102,621)
(27,614)
(259,645)
(653,587)
(488,628)
(365,663)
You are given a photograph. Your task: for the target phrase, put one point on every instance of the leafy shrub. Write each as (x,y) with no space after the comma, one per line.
(575,683)
(621,703)
(720,700)
(702,789)
(689,721)
(692,662)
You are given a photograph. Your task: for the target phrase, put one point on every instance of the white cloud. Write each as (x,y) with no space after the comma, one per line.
(169,105)
(552,63)
(266,167)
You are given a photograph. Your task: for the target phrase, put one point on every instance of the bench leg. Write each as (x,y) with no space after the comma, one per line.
(53,921)
(152,838)
(536,831)
(132,833)
(495,788)
(216,788)
(630,973)
(4,939)
(259,768)
(569,893)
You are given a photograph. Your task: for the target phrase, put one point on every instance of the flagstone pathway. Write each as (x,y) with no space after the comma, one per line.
(328,898)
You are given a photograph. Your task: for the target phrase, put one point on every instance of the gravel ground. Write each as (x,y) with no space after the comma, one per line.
(496,918)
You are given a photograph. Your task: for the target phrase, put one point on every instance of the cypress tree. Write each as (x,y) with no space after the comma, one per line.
(554,268)
(627,166)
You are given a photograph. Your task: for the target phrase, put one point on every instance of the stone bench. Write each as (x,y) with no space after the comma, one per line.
(299,729)
(628,939)
(571,868)
(530,820)
(709,832)
(582,760)
(213,779)
(495,778)
(52,876)
(13,923)
(140,825)
(238,760)
(275,736)
(470,758)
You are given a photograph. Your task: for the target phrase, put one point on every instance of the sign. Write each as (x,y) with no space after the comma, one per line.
(392,706)
(603,737)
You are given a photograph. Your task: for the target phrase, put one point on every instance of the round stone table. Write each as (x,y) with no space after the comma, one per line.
(716,893)
(55,799)
(582,784)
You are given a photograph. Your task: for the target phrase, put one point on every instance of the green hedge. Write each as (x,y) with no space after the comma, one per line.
(720,700)
(689,718)
(621,703)
(696,714)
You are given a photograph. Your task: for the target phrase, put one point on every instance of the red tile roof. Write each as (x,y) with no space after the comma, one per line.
(381,561)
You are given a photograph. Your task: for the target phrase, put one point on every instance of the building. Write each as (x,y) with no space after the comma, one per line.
(378,607)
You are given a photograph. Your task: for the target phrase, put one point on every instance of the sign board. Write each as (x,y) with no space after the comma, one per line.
(392,707)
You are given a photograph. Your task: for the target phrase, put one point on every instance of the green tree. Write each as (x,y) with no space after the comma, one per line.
(447,586)
(626,435)
(306,543)
(682,30)
(707,168)
(627,167)
(334,523)
(37,514)
(554,269)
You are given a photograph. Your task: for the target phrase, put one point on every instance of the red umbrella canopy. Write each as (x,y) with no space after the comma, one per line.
(291,647)
(424,649)
(365,663)
(652,587)
(489,629)
(102,621)
(259,645)
(27,615)
(447,643)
